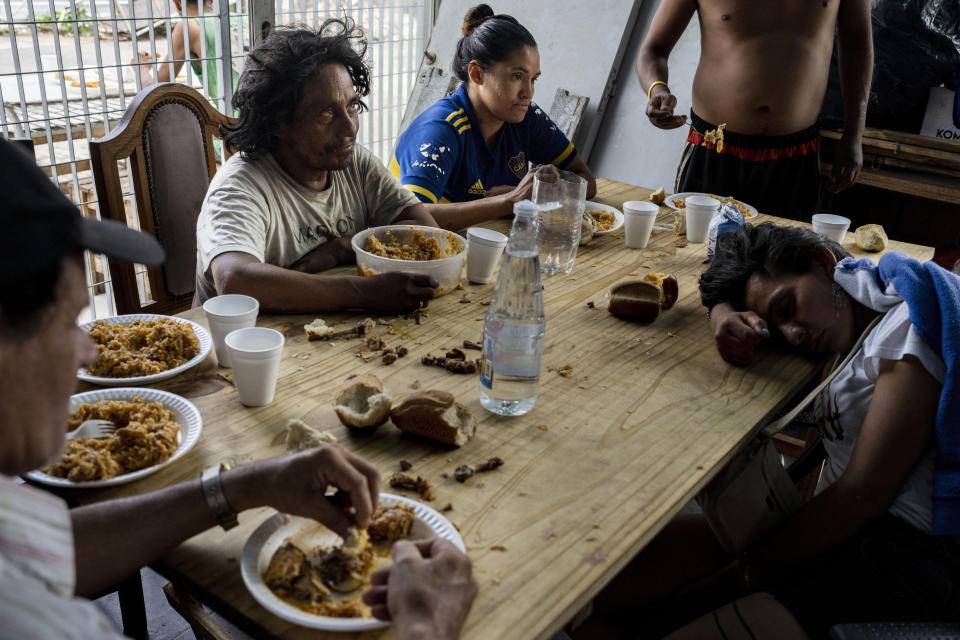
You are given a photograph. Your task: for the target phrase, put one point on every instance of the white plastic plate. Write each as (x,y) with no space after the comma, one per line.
(203,337)
(276,529)
(184,412)
(617,216)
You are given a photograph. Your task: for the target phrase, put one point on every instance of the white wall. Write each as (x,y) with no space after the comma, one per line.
(579,43)
(628,148)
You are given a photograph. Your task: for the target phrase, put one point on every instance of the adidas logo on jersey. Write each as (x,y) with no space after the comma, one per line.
(477,189)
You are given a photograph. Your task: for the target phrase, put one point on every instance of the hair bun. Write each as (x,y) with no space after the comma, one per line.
(475,16)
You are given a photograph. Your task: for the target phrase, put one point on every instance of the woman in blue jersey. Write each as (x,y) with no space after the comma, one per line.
(467,155)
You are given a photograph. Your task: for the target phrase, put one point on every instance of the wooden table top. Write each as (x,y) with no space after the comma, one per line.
(604,460)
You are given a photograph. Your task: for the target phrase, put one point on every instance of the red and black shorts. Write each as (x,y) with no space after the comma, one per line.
(779,175)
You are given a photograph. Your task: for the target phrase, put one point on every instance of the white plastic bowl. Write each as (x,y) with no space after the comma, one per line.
(447,270)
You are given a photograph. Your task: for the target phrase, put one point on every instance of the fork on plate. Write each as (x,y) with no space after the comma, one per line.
(93,429)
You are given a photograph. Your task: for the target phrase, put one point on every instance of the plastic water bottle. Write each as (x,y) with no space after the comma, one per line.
(514,325)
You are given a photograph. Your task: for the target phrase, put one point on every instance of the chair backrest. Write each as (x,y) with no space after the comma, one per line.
(167,133)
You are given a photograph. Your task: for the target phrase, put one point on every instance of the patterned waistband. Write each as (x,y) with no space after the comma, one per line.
(757,148)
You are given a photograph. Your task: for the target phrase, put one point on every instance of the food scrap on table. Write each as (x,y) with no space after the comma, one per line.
(299,436)
(319,330)
(454,365)
(658,196)
(566,370)
(465,471)
(401,480)
(405,466)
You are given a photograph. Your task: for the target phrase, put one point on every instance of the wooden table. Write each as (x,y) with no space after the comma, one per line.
(602,463)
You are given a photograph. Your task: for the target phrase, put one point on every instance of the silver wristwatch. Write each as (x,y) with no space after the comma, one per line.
(213,493)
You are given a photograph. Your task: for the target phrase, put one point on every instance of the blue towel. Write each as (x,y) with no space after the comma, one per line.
(932,295)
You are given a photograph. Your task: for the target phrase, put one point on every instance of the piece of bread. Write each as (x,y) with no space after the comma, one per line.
(658,196)
(635,300)
(668,285)
(680,222)
(299,436)
(586,229)
(871,237)
(317,330)
(362,402)
(434,414)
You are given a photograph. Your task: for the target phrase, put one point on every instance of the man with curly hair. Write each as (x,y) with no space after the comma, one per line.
(285,207)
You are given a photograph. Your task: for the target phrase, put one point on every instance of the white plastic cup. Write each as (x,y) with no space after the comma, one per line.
(484,247)
(228,313)
(700,209)
(831,227)
(638,219)
(255,353)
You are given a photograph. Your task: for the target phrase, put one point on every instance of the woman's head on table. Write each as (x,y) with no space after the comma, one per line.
(785,275)
(498,61)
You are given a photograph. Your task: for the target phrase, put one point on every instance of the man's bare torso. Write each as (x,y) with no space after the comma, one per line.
(763,64)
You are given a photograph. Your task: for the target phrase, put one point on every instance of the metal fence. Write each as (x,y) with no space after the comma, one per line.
(69,68)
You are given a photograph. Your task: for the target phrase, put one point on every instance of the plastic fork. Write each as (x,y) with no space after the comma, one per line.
(93,429)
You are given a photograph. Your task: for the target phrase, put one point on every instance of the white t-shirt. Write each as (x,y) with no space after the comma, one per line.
(255,207)
(842,407)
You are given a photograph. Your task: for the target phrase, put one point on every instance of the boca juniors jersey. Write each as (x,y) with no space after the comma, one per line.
(442,156)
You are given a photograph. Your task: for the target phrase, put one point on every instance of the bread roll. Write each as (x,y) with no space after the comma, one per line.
(635,300)
(668,285)
(871,237)
(362,402)
(434,414)
(658,196)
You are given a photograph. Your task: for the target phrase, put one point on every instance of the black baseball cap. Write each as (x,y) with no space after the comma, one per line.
(39,225)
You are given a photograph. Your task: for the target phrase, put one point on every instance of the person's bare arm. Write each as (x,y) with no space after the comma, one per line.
(281,290)
(737,332)
(579,167)
(856,69)
(116,537)
(498,202)
(669,22)
(416,214)
(896,432)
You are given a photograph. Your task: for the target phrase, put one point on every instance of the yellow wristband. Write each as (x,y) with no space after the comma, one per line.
(655,83)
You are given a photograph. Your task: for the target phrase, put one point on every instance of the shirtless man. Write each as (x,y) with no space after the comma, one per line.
(763,72)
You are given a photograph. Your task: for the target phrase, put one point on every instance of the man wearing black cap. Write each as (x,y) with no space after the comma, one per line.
(49,554)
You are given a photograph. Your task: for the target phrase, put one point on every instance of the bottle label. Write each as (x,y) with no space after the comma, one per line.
(486,370)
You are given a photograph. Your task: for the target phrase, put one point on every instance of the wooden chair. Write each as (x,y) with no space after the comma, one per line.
(204,626)
(167,133)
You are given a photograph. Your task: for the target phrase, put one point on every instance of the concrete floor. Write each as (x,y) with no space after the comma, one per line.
(163,623)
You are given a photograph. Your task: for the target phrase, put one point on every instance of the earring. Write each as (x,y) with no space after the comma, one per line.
(839,299)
